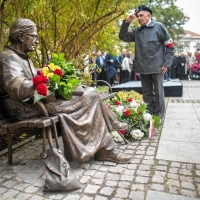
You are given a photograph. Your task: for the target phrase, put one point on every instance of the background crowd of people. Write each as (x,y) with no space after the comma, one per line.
(114,70)
(185,66)
(120,69)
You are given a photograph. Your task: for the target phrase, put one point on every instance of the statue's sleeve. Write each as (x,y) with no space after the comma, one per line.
(18,78)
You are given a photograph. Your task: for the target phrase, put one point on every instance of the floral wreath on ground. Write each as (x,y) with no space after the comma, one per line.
(130,108)
(57,76)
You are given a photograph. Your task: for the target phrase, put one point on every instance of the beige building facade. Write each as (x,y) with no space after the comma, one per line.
(190,41)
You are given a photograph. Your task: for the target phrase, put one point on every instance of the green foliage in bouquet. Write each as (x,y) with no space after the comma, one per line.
(57,76)
(70,79)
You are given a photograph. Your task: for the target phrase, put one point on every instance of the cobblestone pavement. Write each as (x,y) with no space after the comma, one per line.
(144,176)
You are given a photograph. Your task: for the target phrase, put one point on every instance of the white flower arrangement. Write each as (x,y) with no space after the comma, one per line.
(116,136)
(120,110)
(137,134)
(134,104)
(147,117)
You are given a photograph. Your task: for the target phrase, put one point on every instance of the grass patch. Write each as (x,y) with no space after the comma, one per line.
(102,89)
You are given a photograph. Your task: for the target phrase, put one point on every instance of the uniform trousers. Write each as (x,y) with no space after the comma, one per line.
(153,93)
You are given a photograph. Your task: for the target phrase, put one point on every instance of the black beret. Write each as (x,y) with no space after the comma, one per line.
(142,7)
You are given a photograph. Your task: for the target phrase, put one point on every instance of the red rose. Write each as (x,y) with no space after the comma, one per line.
(127,112)
(39,79)
(39,72)
(44,79)
(58,72)
(122,132)
(130,99)
(42,89)
(117,103)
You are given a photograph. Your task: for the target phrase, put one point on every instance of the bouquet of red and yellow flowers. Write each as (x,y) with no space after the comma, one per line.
(59,75)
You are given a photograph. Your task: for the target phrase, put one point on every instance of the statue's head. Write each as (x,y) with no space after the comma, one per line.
(24,32)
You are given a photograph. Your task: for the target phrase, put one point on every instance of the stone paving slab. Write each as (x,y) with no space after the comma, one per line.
(180,135)
(192,116)
(192,83)
(154,195)
(181,143)
(179,151)
(194,93)
(182,123)
(183,110)
(197,110)
(197,107)
(180,108)
(184,98)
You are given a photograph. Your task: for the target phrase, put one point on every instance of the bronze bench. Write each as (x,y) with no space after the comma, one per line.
(8,125)
(107,95)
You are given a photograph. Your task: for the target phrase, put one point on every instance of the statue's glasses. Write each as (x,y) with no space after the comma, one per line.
(35,37)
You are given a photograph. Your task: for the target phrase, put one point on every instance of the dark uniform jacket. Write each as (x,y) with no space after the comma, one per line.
(150,46)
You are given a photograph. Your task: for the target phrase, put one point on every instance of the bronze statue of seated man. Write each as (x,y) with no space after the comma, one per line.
(85,120)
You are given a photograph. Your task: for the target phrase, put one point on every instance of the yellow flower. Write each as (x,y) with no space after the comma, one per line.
(56,67)
(124,95)
(53,67)
(45,71)
(50,75)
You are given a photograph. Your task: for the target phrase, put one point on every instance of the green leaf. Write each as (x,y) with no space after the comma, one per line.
(38,97)
(67,96)
(156,121)
(55,78)
(142,108)
(69,84)
(62,84)
(133,112)
(74,81)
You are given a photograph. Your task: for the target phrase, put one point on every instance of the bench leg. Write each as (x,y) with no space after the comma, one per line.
(9,142)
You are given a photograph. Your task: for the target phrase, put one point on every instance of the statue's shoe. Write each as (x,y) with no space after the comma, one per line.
(112,156)
(117,126)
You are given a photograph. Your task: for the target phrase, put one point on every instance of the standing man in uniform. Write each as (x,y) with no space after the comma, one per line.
(154,50)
